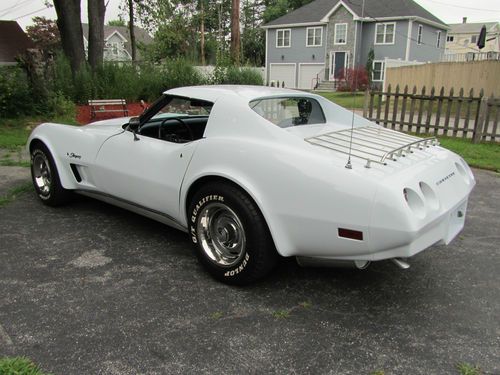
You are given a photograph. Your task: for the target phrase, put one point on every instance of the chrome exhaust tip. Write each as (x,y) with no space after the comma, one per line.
(400,263)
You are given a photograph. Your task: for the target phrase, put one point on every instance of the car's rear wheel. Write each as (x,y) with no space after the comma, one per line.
(230,235)
(45,177)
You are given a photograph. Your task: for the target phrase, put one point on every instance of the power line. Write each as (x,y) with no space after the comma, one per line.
(462,7)
(29,14)
(14,7)
(403,35)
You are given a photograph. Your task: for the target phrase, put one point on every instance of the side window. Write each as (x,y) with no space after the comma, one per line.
(283,38)
(289,111)
(419,35)
(177,120)
(378,71)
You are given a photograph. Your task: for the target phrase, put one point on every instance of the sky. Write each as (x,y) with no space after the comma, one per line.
(449,11)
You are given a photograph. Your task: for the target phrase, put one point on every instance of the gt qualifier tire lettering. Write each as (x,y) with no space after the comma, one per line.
(202,201)
(229,233)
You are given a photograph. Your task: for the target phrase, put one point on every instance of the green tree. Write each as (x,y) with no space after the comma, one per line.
(118,22)
(45,35)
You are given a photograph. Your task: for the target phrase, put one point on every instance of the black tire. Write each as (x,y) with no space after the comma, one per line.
(45,177)
(230,209)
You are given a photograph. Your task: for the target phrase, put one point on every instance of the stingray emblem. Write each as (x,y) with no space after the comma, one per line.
(72,155)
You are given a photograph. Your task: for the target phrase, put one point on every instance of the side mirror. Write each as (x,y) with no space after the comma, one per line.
(133,123)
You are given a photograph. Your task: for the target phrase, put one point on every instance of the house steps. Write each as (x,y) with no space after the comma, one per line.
(326,86)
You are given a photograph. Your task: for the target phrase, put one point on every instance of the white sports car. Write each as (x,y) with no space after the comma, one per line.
(251,173)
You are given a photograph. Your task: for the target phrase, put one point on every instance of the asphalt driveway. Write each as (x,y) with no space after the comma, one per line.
(93,289)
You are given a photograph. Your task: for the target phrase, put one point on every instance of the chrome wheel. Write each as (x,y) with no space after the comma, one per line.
(41,173)
(221,234)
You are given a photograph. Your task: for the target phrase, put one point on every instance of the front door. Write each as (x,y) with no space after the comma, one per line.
(338,62)
(147,172)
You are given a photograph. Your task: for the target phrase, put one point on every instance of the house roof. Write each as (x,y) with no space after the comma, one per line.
(13,41)
(141,35)
(315,11)
(470,28)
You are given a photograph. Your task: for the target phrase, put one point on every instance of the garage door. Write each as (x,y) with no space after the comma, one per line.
(307,73)
(283,72)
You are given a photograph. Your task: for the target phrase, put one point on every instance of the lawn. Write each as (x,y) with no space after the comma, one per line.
(15,132)
(346,99)
(481,155)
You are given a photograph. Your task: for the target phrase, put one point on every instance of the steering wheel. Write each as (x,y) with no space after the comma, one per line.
(175,138)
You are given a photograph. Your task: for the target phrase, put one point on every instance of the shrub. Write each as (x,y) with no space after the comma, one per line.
(15,94)
(123,80)
(59,106)
(353,79)
(225,75)
(243,76)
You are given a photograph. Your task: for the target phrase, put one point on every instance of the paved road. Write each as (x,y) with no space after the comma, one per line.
(93,289)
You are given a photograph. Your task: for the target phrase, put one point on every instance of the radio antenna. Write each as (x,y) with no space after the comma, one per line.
(349,165)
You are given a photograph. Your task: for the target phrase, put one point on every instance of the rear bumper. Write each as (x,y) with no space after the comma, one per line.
(439,232)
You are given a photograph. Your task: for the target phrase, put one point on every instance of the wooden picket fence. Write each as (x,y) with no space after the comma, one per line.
(465,116)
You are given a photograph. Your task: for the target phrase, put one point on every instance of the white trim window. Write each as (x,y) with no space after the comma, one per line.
(378,70)
(340,33)
(385,32)
(450,38)
(438,40)
(314,36)
(283,38)
(419,35)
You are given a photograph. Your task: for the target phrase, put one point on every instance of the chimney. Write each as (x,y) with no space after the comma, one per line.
(464,20)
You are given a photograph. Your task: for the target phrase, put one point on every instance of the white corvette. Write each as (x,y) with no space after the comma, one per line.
(252,172)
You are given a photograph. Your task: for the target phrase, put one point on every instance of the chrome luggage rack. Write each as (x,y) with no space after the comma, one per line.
(373,144)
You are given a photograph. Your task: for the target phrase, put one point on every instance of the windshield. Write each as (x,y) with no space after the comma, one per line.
(185,106)
(289,111)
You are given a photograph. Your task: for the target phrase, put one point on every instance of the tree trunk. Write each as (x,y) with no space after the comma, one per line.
(96,9)
(235,32)
(70,27)
(202,33)
(131,29)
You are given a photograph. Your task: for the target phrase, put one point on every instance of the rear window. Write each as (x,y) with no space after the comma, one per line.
(289,111)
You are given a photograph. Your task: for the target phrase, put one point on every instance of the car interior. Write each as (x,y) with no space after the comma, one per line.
(178,129)
(172,118)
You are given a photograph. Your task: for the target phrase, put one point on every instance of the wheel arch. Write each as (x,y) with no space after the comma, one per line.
(66,181)
(208,178)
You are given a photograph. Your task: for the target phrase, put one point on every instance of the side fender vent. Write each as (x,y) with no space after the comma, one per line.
(74,169)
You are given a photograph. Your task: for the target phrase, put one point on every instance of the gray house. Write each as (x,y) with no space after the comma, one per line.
(117,45)
(324,37)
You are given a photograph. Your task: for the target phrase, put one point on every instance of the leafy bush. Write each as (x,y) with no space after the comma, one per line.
(224,75)
(18,366)
(15,94)
(127,81)
(243,76)
(353,79)
(59,106)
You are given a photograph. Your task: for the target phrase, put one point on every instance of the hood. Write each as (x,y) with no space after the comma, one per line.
(113,122)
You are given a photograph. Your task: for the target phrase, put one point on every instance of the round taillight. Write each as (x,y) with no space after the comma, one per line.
(462,172)
(430,196)
(414,201)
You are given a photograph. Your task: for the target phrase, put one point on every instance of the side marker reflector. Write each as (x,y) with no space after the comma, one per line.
(351,234)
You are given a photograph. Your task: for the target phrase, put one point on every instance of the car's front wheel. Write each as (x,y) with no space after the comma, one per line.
(45,177)
(230,235)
